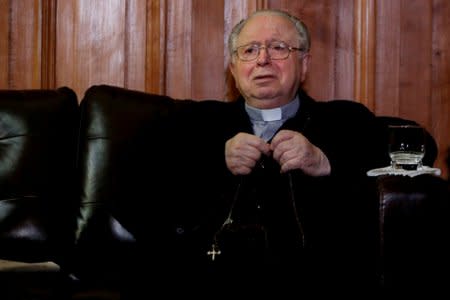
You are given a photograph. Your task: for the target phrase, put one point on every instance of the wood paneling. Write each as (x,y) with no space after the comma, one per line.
(387,89)
(439,114)
(207,46)
(48,69)
(155,46)
(178,49)
(377,52)
(91,39)
(364,52)
(135,44)
(321,80)
(415,103)
(24,49)
(412,79)
(4,45)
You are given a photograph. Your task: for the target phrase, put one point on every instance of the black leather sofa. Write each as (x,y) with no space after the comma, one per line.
(60,172)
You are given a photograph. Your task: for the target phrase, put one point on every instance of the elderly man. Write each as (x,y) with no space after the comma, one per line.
(271,188)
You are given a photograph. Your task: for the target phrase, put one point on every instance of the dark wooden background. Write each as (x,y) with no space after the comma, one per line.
(391,55)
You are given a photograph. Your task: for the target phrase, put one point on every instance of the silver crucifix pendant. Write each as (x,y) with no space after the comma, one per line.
(214,251)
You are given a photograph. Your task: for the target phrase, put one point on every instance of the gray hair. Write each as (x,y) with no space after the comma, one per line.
(302,29)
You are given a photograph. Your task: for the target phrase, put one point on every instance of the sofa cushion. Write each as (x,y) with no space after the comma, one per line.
(38,138)
(112,121)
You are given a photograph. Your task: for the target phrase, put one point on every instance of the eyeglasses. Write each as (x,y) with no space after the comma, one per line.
(275,50)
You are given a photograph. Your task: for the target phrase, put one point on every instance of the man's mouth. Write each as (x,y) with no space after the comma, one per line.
(263,77)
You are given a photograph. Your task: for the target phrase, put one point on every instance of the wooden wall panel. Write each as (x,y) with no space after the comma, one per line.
(320,17)
(411,79)
(155,46)
(403,62)
(377,52)
(178,49)
(4,44)
(339,52)
(415,60)
(207,47)
(194,64)
(387,89)
(24,53)
(364,53)
(440,77)
(48,41)
(91,39)
(135,44)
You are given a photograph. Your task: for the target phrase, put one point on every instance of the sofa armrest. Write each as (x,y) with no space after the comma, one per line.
(18,266)
(414,233)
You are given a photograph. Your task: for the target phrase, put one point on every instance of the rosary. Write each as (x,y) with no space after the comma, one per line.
(215,246)
(214,251)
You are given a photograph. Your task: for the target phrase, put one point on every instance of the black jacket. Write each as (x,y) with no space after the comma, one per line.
(321,228)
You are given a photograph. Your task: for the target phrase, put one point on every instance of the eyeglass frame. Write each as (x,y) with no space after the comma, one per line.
(267,47)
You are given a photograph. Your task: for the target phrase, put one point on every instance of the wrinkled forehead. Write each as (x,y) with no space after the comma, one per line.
(265,28)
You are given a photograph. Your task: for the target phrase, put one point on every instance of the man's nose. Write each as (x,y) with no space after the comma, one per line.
(263,56)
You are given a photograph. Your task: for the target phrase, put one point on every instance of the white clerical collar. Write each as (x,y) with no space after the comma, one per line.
(273,114)
(284,112)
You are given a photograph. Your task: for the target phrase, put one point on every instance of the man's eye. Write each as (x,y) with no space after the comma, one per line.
(279,47)
(250,50)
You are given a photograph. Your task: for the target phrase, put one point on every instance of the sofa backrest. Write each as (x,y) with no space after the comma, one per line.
(111,122)
(65,177)
(38,138)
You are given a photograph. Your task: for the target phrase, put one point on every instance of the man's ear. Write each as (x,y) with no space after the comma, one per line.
(305,65)
(232,68)
(232,92)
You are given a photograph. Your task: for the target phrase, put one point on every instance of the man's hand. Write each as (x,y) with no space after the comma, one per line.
(292,151)
(243,151)
(289,148)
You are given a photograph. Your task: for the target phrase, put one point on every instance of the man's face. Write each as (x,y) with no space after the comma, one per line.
(264,82)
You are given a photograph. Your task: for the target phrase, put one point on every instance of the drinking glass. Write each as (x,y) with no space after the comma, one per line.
(406,146)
